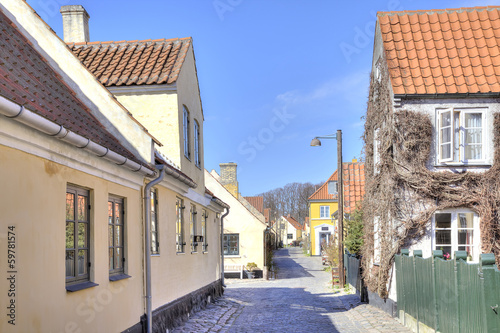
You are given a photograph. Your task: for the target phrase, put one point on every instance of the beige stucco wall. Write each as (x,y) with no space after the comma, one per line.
(189,95)
(34,202)
(158,111)
(173,274)
(97,98)
(240,221)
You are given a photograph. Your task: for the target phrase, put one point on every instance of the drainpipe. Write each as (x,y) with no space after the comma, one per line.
(222,244)
(147,245)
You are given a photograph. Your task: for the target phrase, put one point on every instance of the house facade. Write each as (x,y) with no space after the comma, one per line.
(244,227)
(323,203)
(430,138)
(85,164)
(292,229)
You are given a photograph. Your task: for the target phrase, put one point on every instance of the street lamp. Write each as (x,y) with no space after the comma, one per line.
(316,143)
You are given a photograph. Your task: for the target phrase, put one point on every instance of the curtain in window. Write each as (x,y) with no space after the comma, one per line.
(473,136)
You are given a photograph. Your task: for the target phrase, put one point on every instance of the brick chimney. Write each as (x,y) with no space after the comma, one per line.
(75,24)
(228,177)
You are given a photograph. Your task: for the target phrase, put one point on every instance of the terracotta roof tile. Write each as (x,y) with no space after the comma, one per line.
(135,62)
(294,222)
(322,192)
(27,79)
(257,202)
(442,51)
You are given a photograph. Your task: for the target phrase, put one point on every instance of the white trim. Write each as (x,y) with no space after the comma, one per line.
(317,231)
(38,144)
(143,89)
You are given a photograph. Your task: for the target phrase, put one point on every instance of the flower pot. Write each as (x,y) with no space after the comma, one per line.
(250,274)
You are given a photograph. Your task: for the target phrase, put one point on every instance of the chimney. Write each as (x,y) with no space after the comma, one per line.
(228,177)
(75,24)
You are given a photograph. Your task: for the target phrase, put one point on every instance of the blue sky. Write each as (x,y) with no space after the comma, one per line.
(273,74)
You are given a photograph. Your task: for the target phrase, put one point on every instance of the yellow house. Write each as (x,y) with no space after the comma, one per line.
(323,206)
(100,227)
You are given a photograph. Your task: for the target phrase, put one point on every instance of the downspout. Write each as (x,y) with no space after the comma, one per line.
(222,245)
(147,245)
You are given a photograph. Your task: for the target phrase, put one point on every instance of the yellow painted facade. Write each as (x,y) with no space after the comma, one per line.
(316,221)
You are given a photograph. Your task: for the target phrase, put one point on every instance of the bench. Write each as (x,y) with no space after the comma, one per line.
(234,268)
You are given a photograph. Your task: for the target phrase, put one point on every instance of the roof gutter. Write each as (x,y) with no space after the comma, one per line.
(222,241)
(21,114)
(442,96)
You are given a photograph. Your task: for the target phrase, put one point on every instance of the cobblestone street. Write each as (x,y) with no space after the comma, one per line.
(299,300)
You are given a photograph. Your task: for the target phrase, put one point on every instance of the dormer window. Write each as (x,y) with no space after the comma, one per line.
(185,125)
(460,135)
(332,187)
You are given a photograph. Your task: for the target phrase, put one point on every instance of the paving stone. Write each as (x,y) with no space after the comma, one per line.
(299,300)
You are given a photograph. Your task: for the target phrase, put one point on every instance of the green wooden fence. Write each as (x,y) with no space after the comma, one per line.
(448,295)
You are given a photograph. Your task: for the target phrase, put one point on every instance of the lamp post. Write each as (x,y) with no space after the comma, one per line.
(340,178)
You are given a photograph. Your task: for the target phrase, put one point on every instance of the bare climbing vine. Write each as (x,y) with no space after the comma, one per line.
(402,193)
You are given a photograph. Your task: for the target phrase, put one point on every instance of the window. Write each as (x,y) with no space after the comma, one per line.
(289,236)
(116,232)
(155,243)
(457,231)
(192,228)
(77,235)
(231,244)
(179,228)
(185,123)
(324,212)
(460,135)
(332,187)
(204,218)
(197,160)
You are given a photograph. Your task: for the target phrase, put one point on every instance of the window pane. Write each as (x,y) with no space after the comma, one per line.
(446,250)
(473,120)
(82,235)
(118,257)
(70,263)
(70,206)
(445,151)
(110,212)
(469,249)
(118,208)
(465,237)
(473,152)
(110,235)
(443,220)
(466,220)
(118,235)
(82,260)
(443,237)
(70,235)
(111,257)
(446,135)
(82,208)
(446,119)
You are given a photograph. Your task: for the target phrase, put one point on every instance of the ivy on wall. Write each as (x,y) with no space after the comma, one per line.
(402,194)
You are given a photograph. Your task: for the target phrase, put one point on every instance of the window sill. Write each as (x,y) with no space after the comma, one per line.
(180,253)
(81,286)
(194,252)
(231,256)
(462,165)
(205,252)
(119,277)
(155,255)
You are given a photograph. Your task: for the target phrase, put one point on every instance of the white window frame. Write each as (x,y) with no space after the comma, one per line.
(196,132)
(185,126)
(324,212)
(457,133)
(454,228)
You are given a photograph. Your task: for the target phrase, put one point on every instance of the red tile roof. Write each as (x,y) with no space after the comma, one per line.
(442,51)
(27,79)
(322,192)
(354,186)
(267,212)
(125,63)
(257,202)
(294,222)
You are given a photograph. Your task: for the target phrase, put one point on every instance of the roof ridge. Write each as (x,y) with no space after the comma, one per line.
(129,41)
(439,11)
